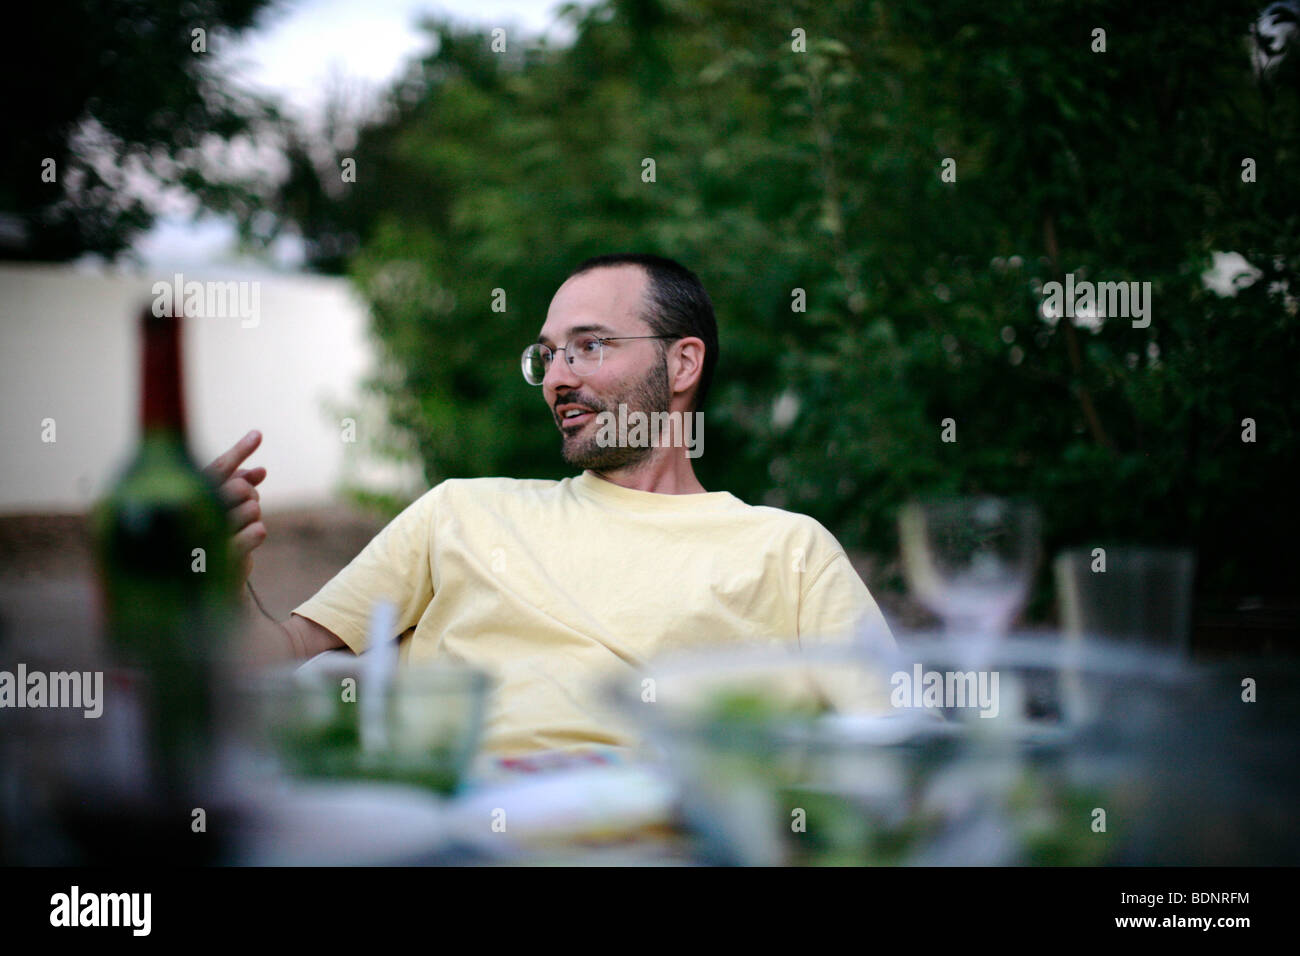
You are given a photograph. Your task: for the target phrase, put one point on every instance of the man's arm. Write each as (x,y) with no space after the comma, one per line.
(268,640)
(296,638)
(394,566)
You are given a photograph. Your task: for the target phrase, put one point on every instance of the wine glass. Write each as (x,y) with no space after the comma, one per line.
(970,561)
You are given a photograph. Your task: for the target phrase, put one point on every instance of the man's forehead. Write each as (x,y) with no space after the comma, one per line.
(607,300)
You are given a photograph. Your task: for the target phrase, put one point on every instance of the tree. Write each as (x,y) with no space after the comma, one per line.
(105,95)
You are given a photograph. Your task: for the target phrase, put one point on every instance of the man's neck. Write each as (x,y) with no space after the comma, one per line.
(669,474)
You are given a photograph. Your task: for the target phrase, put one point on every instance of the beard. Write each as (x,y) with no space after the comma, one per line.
(651,394)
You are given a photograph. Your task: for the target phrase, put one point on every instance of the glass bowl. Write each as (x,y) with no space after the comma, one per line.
(426,730)
(1046,752)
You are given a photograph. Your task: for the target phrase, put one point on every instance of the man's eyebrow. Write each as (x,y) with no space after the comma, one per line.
(577,330)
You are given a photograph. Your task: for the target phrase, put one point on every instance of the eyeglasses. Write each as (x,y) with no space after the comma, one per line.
(584,353)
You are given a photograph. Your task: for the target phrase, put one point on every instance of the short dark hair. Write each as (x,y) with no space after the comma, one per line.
(678,305)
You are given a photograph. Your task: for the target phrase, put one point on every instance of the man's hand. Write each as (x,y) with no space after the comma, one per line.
(239,492)
(298,636)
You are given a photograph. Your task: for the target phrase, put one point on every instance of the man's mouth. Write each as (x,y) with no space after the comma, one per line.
(573,417)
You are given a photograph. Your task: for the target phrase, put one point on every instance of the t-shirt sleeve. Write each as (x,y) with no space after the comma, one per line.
(836,607)
(395,566)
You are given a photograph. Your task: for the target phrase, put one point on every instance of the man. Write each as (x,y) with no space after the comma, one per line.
(552,586)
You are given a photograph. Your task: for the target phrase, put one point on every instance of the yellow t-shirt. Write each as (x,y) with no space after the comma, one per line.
(552,587)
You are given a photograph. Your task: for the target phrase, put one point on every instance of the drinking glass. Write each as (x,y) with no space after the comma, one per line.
(970,560)
(433,717)
(1130,594)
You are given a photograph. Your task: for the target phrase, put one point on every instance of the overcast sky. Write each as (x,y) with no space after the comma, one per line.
(303,41)
(305,44)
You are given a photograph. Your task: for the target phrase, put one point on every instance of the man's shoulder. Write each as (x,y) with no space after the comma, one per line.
(794,521)
(797,530)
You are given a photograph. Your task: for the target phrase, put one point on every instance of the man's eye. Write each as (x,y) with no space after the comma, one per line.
(589,346)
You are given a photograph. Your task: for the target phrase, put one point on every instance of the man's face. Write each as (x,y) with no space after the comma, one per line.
(606,302)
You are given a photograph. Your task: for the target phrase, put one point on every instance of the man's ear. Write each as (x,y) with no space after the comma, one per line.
(686,364)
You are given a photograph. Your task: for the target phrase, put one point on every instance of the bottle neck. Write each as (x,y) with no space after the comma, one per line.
(162,396)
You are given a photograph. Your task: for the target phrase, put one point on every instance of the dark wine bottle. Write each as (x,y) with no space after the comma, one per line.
(169,588)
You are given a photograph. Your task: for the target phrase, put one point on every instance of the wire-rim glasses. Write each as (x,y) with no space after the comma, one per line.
(584,353)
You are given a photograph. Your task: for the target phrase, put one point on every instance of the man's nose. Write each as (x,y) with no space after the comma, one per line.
(560,375)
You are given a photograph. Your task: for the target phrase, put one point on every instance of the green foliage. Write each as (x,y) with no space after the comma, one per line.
(821,170)
(114,92)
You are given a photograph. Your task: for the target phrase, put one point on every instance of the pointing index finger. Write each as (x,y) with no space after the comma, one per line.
(224,465)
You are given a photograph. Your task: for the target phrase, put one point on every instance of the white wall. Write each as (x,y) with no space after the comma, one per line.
(69,350)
